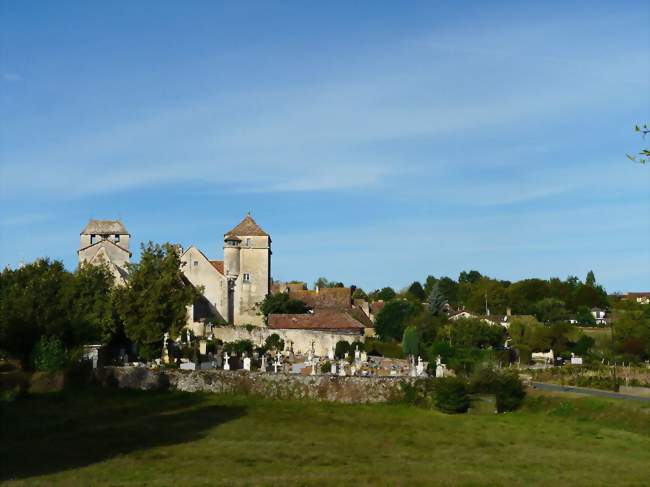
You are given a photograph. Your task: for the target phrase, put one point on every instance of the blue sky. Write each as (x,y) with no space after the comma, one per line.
(378,142)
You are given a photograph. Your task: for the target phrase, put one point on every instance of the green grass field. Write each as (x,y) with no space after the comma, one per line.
(94,437)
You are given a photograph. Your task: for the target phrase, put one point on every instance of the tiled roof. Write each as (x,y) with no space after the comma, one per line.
(322,320)
(104,227)
(248,228)
(328,297)
(218,264)
(376,307)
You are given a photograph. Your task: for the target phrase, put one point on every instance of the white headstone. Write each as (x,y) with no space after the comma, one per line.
(342,368)
(247,363)
(364,356)
(263,365)
(333,368)
(276,364)
(357,353)
(330,354)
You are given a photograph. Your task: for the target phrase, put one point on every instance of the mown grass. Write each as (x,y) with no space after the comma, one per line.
(99,437)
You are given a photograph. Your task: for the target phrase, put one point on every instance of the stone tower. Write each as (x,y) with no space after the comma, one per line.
(106,241)
(247,265)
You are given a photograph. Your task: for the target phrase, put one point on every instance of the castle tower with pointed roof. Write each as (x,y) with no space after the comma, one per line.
(106,241)
(233,288)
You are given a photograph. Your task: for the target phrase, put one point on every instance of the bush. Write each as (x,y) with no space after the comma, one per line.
(239,347)
(419,393)
(451,395)
(383,349)
(49,355)
(342,347)
(274,342)
(506,386)
(326,367)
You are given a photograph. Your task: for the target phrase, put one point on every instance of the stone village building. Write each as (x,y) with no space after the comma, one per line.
(233,289)
(108,242)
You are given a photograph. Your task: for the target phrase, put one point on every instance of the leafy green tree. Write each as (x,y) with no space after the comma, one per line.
(451,395)
(322,283)
(471,277)
(155,298)
(49,355)
(280,303)
(550,310)
(410,341)
(437,300)
(34,302)
(449,288)
(359,294)
(416,292)
(386,294)
(631,333)
(475,333)
(591,279)
(393,318)
(429,282)
(94,316)
(584,317)
(274,342)
(342,347)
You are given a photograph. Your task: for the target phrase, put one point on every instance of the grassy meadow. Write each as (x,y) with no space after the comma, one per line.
(111,437)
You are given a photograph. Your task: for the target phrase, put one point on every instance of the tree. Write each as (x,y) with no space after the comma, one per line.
(94,317)
(280,303)
(34,302)
(551,310)
(428,284)
(359,294)
(416,292)
(591,279)
(475,333)
(155,298)
(274,342)
(584,317)
(392,319)
(410,341)
(471,277)
(386,294)
(342,347)
(437,300)
(322,282)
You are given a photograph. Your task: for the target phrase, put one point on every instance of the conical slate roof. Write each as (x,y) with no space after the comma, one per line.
(104,227)
(248,228)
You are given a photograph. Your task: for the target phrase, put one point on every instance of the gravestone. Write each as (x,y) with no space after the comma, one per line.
(226,363)
(247,363)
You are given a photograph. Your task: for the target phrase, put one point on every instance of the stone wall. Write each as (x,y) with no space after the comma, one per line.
(279,386)
(300,340)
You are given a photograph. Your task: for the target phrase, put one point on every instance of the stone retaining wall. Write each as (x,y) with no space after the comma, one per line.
(280,386)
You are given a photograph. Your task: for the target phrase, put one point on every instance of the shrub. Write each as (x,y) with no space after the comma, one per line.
(506,386)
(342,347)
(274,342)
(451,395)
(239,347)
(418,393)
(383,349)
(49,355)
(326,367)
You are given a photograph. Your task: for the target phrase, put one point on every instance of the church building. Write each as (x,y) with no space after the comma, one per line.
(106,241)
(233,288)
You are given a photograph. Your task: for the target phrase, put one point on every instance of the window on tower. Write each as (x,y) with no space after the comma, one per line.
(248,242)
(247,277)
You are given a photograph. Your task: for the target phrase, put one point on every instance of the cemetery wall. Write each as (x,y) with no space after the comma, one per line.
(301,340)
(277,386)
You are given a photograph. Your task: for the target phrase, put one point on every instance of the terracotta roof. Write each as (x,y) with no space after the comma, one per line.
(638,295)
(218,264)
(247,228)
(104,227)
(327,297)
(323,320)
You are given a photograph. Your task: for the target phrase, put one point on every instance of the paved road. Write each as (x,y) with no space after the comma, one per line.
(544,386)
